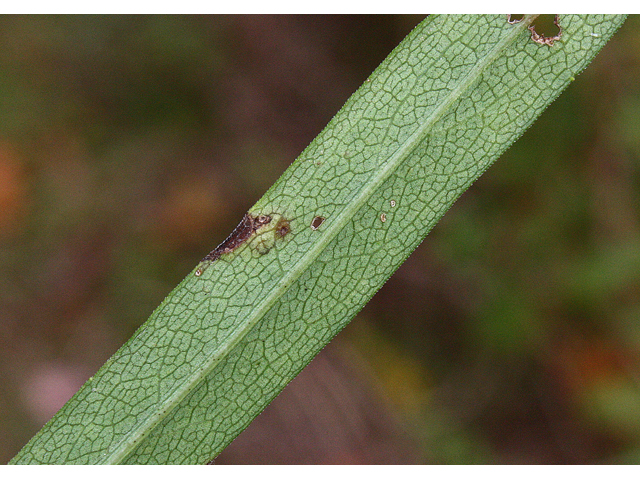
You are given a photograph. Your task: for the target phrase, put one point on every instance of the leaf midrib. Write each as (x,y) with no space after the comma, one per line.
(130,441)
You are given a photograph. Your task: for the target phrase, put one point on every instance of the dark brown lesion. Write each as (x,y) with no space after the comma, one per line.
(243,232)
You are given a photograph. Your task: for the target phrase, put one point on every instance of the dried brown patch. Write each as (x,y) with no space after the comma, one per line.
(243,232)
(282,228)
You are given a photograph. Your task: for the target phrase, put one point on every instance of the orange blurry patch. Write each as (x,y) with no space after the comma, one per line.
(583,363)
(12,191)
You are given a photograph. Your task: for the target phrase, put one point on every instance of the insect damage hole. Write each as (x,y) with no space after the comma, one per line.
(514,18)
(545,29)
(316,222)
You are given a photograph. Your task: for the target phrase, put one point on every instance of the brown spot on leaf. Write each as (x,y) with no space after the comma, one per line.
(282,228)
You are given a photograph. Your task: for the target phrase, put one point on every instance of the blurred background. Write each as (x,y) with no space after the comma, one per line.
(130,146)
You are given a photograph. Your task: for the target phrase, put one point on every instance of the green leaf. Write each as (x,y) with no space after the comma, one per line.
(426,124)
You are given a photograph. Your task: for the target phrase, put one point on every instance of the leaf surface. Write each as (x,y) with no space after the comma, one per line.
(345,215)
